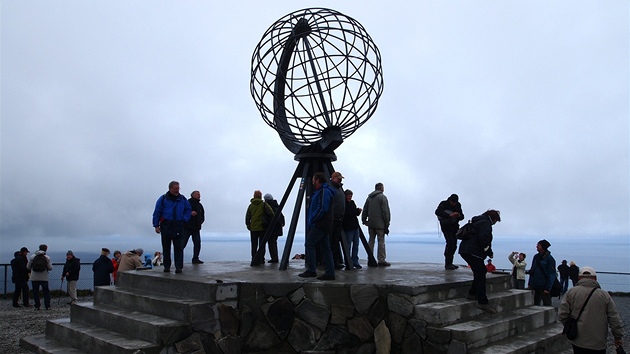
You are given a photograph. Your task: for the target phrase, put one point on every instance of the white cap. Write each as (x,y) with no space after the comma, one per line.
(587,272)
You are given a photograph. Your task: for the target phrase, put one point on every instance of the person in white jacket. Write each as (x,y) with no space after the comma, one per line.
(518,269)
(39,278)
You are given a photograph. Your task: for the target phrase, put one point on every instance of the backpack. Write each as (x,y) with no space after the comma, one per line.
(466,232)
(40,263)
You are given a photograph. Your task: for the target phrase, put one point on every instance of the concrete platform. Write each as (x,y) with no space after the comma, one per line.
(231,307)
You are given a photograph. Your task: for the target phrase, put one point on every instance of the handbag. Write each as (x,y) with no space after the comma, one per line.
(556,288)
(466,232)
(570,326)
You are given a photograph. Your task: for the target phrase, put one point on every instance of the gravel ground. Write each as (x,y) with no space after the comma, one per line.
(20,322)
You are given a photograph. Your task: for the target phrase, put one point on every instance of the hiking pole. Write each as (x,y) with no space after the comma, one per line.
(59,298)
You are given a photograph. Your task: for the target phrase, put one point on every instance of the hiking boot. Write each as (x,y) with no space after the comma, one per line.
(486,308)
(358,266)
(326,277)
(197,261)
(450,267)
(384,264)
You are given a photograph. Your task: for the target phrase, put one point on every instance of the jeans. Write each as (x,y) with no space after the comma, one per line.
(380,235)
(196,238)
(479,270)
(352,238)
(318,237)
(44,285)
(564,285)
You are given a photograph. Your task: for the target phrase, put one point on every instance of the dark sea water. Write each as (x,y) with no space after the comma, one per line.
(604,254)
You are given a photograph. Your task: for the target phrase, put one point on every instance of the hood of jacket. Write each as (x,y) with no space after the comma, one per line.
(374,194)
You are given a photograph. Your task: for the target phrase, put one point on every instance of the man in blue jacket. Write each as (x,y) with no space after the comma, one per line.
(172,212)
(319,222)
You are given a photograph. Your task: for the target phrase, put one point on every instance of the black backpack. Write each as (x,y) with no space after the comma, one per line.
(40,263)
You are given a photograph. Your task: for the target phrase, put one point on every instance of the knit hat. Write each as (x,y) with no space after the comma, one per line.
(139,251)
(24,249)
(545,244)
(69,253)
(453,198)
(268,197)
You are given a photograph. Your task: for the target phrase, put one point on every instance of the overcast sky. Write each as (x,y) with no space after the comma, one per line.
(517,106)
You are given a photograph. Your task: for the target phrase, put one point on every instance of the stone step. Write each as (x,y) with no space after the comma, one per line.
(177,285)
(94,339)
(485,329)
(545,340)
(458,286)
(200,314)
(450,311)
(44,345)
(144,326)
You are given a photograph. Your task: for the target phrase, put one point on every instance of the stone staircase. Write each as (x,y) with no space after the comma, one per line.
(150,312)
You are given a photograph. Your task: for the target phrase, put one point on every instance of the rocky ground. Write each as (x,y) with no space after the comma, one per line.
(20,322)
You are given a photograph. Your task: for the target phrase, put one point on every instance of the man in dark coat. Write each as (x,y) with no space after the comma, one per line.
(542,273)
(193,227)
(277,230)
(20,277)
(449,213)
(563,269)
(474,250)
(71,272)
(102,268)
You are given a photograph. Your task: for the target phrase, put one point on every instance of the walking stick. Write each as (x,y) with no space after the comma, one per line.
(59,298)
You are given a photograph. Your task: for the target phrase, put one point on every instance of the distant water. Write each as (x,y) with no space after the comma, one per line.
(606,254)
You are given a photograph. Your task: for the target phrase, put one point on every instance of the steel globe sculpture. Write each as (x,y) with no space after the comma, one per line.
(316,77)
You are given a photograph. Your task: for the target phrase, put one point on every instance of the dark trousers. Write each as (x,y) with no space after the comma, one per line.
(21,287)
(538,296)
(45,289)
(478,287)
(449,231)
(196,238)
(579,350)
(178,250)
(318,237)
(272,243)
(256,238)
(564,284)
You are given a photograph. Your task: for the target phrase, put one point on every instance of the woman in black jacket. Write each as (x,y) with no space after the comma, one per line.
(277,231)
(474,251)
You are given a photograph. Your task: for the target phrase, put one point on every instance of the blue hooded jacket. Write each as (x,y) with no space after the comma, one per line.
(319,212)
(171,207)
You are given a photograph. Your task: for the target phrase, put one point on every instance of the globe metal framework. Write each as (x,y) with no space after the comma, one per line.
(316,77)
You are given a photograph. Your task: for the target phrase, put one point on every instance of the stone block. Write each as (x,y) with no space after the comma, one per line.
(361,327)
(378,312)
(226,291)
(230,344)
(297,296)
(413,344)
(261,337)
(382,339)
(341,313)
(228,317)
(363,296)
(303,336)
(400,304)
(313,314)
(396,324)
(332,338)
(190,344)
(280,316)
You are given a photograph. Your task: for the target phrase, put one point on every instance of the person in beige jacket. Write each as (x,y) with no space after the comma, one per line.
(131,260)
(599,313)
(518,269)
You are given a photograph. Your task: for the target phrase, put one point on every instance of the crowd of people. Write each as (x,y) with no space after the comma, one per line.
(332,240)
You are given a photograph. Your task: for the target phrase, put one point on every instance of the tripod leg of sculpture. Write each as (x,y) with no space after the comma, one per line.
(371,260)
(296,212)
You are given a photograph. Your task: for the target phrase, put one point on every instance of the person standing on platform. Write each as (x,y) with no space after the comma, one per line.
(518,269)
(257,215)
(319,225)
(20,277)
(277,231)
(474,250)
(376,216)
(102,268)
(542,273)
(563,270)
(39,265)
(172,212)
(449,213)
(116,263)
(338,210)
(574,271)
(351,227)
(599,313)
(193,226)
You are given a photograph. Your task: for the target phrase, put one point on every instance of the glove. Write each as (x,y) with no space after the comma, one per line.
(387,231)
